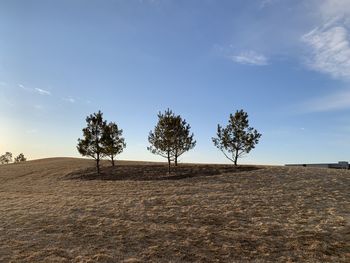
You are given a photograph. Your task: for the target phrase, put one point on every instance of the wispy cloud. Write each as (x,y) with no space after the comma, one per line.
(25,88)
(330,50)
(69,99)
(333,102)
(250,58)
(35,90)
(328,44)
(42,92)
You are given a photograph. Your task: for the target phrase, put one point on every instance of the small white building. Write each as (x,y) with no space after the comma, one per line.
(339,165)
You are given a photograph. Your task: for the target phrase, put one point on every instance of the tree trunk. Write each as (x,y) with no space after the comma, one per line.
(176,157)
(169,162)
(236,157)
(112,161)
(98,165)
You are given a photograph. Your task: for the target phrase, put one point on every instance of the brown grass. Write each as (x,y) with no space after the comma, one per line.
(56,210)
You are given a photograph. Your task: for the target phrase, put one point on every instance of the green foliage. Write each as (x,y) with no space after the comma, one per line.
(184,140)
(112,141)
(162,138)
(6,158)
(101,139)
(237,138)
(20,158)
(171,137)
(91,145)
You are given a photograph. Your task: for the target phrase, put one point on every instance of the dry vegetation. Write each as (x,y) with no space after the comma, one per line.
(55,210)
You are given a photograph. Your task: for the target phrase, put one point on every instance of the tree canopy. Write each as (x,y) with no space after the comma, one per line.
(101,139)
(91,145)
(112,141)
(237,138)
(184,140)
(171,137)
(20,158)
(6,158)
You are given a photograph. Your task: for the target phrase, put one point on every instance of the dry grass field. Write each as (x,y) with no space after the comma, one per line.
(56,210)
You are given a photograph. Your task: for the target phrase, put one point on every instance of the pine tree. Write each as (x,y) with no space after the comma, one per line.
(171,137)
(20,158)
(184,141)
(237,138)
(112,141)
(162,138)
(6,158)
(91,145)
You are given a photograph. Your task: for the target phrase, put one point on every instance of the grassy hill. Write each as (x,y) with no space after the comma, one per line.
(56,210)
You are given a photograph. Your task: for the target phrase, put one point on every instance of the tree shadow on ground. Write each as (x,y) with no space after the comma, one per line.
(156,172)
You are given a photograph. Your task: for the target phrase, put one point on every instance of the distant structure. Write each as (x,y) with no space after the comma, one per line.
(339,165)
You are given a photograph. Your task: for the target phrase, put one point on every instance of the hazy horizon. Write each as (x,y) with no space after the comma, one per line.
(286,63)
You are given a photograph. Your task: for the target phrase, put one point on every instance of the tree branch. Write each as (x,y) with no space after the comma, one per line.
(226,155)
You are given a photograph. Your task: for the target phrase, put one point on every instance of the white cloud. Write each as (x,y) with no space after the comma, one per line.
(337,101)
(69,99)
(328,47)
(24,87)
(330,50)
(250,58)
(328,44)
(42,92)
(36,90)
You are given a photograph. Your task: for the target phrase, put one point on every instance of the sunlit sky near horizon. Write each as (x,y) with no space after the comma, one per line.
(285,62)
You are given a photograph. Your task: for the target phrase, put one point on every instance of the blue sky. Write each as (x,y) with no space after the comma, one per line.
(285,62)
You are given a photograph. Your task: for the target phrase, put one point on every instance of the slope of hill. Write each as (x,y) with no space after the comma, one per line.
(284,214)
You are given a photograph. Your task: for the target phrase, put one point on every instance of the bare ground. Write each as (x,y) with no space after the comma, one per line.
(57,210)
